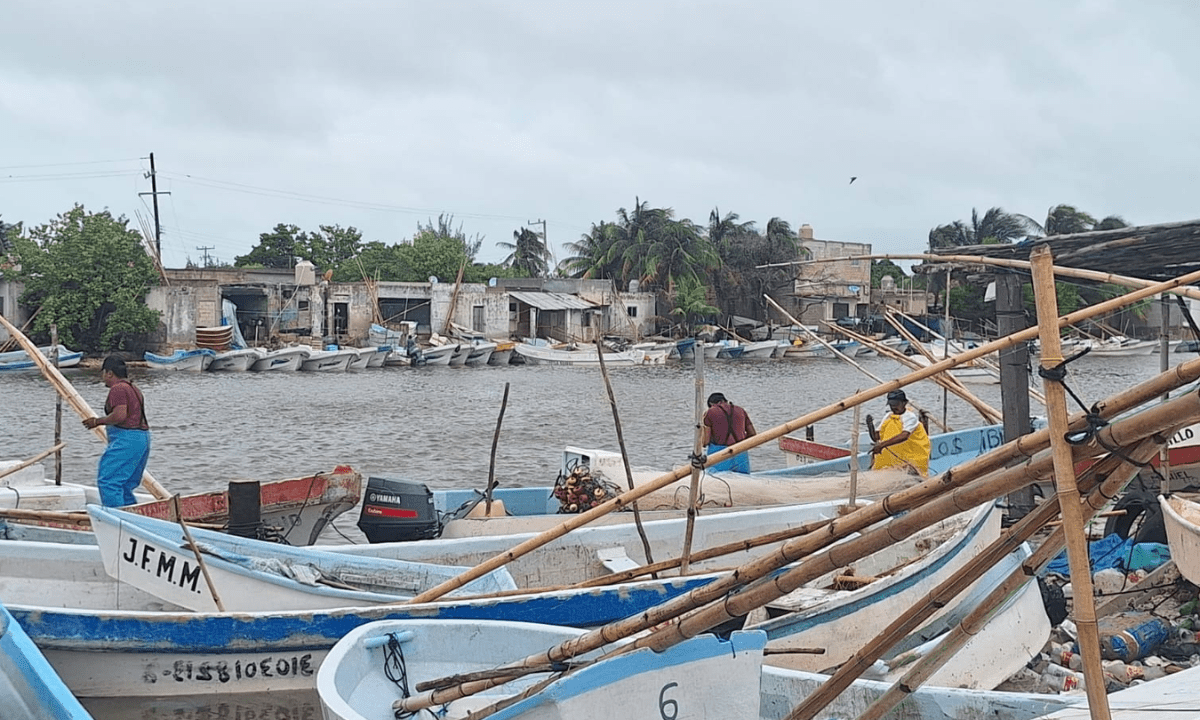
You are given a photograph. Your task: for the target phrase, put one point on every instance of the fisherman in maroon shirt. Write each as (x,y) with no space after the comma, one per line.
(124,460)
(725,424)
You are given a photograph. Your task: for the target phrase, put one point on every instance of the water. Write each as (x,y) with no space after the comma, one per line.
(435,425)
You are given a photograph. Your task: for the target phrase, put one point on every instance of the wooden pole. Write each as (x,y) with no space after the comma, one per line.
(77,402)
(834,350)
(854,457)
(454,298)
(57,406)
(612,401)
(1164,362)
(698,450)
(487,506)
(1084,609)
(187,534)
(58,446)
(880,390)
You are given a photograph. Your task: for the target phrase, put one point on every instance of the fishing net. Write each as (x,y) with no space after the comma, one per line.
(581,489)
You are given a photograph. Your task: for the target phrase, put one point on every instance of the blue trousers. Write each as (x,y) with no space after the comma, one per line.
(737,463)
(122,465)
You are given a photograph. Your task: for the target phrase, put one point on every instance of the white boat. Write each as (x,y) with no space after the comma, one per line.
(19,361)
(503,353)
(29,687)
(1173,697)
(712,349)
(362,358)
(480,353)
(379,359)
(967,372)
(437,354)
(295,509)
(287,359)
(945,451)
(328,360)
(1121,346)
(234,360)
(240,574)
(1181,517)
(538,355)
(760,350)
(704,677)
(181,360)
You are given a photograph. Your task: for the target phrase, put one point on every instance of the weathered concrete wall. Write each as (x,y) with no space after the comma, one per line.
(10,293)
(182,308)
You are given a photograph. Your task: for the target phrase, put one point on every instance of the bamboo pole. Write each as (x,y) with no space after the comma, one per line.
(57,406)
(1084,609)
(754,441)
(79,519)
(940,597)
(187,534)
(697,450)
(487,507)
(454,297)
(854,457)
(835,351)
(36,458)
(1117,472)
(949,500)
(68,392)
(612,401)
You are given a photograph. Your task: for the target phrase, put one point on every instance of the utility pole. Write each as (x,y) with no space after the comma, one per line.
(205,249)
(545,240)
(155,193)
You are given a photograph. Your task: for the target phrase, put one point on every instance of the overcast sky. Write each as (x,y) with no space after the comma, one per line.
(383,114)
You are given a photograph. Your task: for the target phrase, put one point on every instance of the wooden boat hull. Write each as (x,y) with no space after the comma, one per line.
(19,361)
(946,451)
(181,360)
(1181,517)
(535,355)
(29,686)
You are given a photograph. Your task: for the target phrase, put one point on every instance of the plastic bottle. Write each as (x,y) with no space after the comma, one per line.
(1133,636)
(1061,679)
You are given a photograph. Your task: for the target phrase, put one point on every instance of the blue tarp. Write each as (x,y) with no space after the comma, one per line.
(1114,551)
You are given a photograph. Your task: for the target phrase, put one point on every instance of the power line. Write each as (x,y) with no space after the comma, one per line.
(69,176)
(64,164)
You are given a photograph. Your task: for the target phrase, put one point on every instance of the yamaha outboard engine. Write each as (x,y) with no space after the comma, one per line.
(397,510)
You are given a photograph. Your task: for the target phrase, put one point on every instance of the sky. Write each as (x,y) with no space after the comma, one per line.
(383,114)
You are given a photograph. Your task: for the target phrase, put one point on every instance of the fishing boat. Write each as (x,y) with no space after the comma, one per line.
(297,510)
(29,687)
(328,360)
(458,358)
(379,359)
(362,358)
(1121,346)
(946,450)
(233,360)
(1172,697)
(503,353)
(286,359)
(480,352)
(239,573)
(107,638)
(437,355)
(760,350)
(704,677)
(19,360)
(686,348)
(538,355)
(181,360)
(1181,517)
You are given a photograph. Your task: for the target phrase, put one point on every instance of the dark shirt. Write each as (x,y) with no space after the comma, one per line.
(124,393)
(721,418)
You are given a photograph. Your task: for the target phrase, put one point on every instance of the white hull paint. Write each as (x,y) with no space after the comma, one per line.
(328,361)
(233,361)
(29,686)
(1182,520)
(535,355)
(181,361)
(286,359)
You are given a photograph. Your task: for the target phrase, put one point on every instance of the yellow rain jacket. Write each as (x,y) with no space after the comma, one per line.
(914,450)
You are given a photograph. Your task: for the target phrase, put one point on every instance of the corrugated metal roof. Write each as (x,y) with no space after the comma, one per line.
(551,300)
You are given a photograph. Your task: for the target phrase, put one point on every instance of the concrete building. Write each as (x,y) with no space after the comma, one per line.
(906,298)
(828,291)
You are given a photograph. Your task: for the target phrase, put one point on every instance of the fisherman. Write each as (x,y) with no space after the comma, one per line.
(731,424)
(901,440)
(124,460)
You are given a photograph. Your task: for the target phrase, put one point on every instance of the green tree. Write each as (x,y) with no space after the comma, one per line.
(9,232)
(431,255)
(995,226)
(445,229)
(330,247)
(276,249)
(591,254)
(1063,220)
(88,273)
(1111,222)
(1066,294)
(879,268)
(529,257)
(691,303)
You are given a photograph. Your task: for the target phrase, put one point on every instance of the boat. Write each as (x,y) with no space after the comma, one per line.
(480,352)
(286,359)
(946,450)
(704,677)
(686,348)
(538,355)
(1121,346)
(732,350)
(240,574)
(328,360)
(109,639)
(295,510)
(29,686)
(1181,517)
(967,372)
(503,353)
(234,360)
(760,350)
(181,360)
(19,361)
(362,358)
(1172,697)
(437,355)
(379,359)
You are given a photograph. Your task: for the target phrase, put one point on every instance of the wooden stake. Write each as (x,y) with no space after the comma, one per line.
(694,488)
(487,507)
(854,457)
(612,401)
(36,458)
(1084,608)
(187,534)
(880,390)
(77,402)
(57,406)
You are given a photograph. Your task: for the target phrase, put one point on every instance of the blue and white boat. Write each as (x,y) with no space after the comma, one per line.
(181,360)
(19,360)
(29,688)
(247,574)
(704,677)
(234,360)
(285,359)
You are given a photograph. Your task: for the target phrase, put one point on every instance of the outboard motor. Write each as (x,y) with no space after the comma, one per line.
(396,510)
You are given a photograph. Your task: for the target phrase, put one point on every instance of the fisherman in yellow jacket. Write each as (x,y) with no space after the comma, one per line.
(901,440)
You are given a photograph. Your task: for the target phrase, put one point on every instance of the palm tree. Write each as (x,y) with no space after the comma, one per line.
(781,235)
(529,253)
(676,250)
(996,226)
(1112,222)
(725,232)
(954,234)
(690,302)
(1063,220)
(591,258)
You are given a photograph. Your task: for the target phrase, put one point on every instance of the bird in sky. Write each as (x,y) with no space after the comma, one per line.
(853,179)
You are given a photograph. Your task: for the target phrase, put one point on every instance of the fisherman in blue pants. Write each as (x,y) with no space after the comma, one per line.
(124,460)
